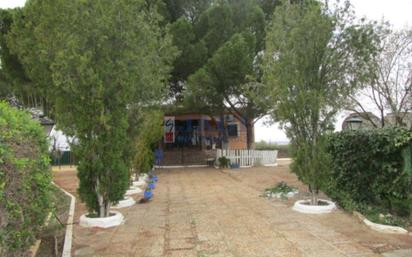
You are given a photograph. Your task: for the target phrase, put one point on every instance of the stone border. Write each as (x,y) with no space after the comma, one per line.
(107,222)
(380,227)
(133,191)
(126,202)
(68,237)
(299,206)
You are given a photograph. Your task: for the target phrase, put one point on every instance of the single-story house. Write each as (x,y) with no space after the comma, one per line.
(192,138)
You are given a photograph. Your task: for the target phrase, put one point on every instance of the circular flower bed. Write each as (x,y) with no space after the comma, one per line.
(139,183)
(325,206)
(126,202)
(133,191)
(115,219)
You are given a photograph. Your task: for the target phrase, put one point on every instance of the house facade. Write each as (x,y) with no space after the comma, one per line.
(192,138)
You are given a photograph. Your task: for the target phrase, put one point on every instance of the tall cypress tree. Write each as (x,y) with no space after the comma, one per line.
(103,57)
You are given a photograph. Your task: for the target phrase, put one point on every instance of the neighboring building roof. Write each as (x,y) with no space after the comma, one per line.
(363,118)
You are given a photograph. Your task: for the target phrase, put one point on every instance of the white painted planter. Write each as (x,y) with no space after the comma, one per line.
(380,227)
(106,222)
(303,207)
(67,247)
(133,191)
(385,228)
(144,177)
(126,202)
(139,183)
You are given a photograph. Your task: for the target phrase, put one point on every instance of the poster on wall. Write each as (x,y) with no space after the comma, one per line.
(169,129)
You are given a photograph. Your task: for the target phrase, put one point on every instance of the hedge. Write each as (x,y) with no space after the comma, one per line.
(24,180)
(371,168)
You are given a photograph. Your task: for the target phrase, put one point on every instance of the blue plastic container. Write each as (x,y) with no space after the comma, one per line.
(155,179)
(235,166)
(148,194)
(152,185)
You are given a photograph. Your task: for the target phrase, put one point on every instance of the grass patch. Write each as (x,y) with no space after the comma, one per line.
(52,235)
(380,216)
(281,187)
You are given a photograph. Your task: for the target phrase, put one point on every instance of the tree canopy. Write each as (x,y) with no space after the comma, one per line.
(315,58)
(233,33)
(389,93)
(100,58)
(14,81)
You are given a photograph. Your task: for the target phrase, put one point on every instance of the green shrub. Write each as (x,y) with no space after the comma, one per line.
(24,180)
(370,168)
(148,138)
(311,163)
(224,162)
(281,187)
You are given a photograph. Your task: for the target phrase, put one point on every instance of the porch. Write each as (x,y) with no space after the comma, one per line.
(192,139)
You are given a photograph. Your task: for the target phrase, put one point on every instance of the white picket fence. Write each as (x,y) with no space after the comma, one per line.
(249,158)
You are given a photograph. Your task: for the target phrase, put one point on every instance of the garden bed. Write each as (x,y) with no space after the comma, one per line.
(52,236)
(281,190)
(381,225)
(379,220)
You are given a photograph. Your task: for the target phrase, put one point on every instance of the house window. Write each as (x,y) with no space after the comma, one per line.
(232,130)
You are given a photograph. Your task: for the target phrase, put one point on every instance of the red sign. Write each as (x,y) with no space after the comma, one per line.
(169,129)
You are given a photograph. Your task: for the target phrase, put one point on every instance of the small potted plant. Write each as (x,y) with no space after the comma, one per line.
(148,194)
(152,184)
(153,177)
(224,162)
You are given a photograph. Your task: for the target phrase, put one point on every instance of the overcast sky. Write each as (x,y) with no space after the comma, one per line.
(397,12)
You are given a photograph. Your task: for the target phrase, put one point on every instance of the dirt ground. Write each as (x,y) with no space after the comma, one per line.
(207,212)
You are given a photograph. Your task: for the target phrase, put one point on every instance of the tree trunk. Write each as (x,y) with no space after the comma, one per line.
(382,118)
(224,132)
(250,135)
(314,192)
(313,189)
(107,209)
(100,200)
(101,205)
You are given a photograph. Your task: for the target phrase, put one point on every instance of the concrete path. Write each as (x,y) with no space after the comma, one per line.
(207,212)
